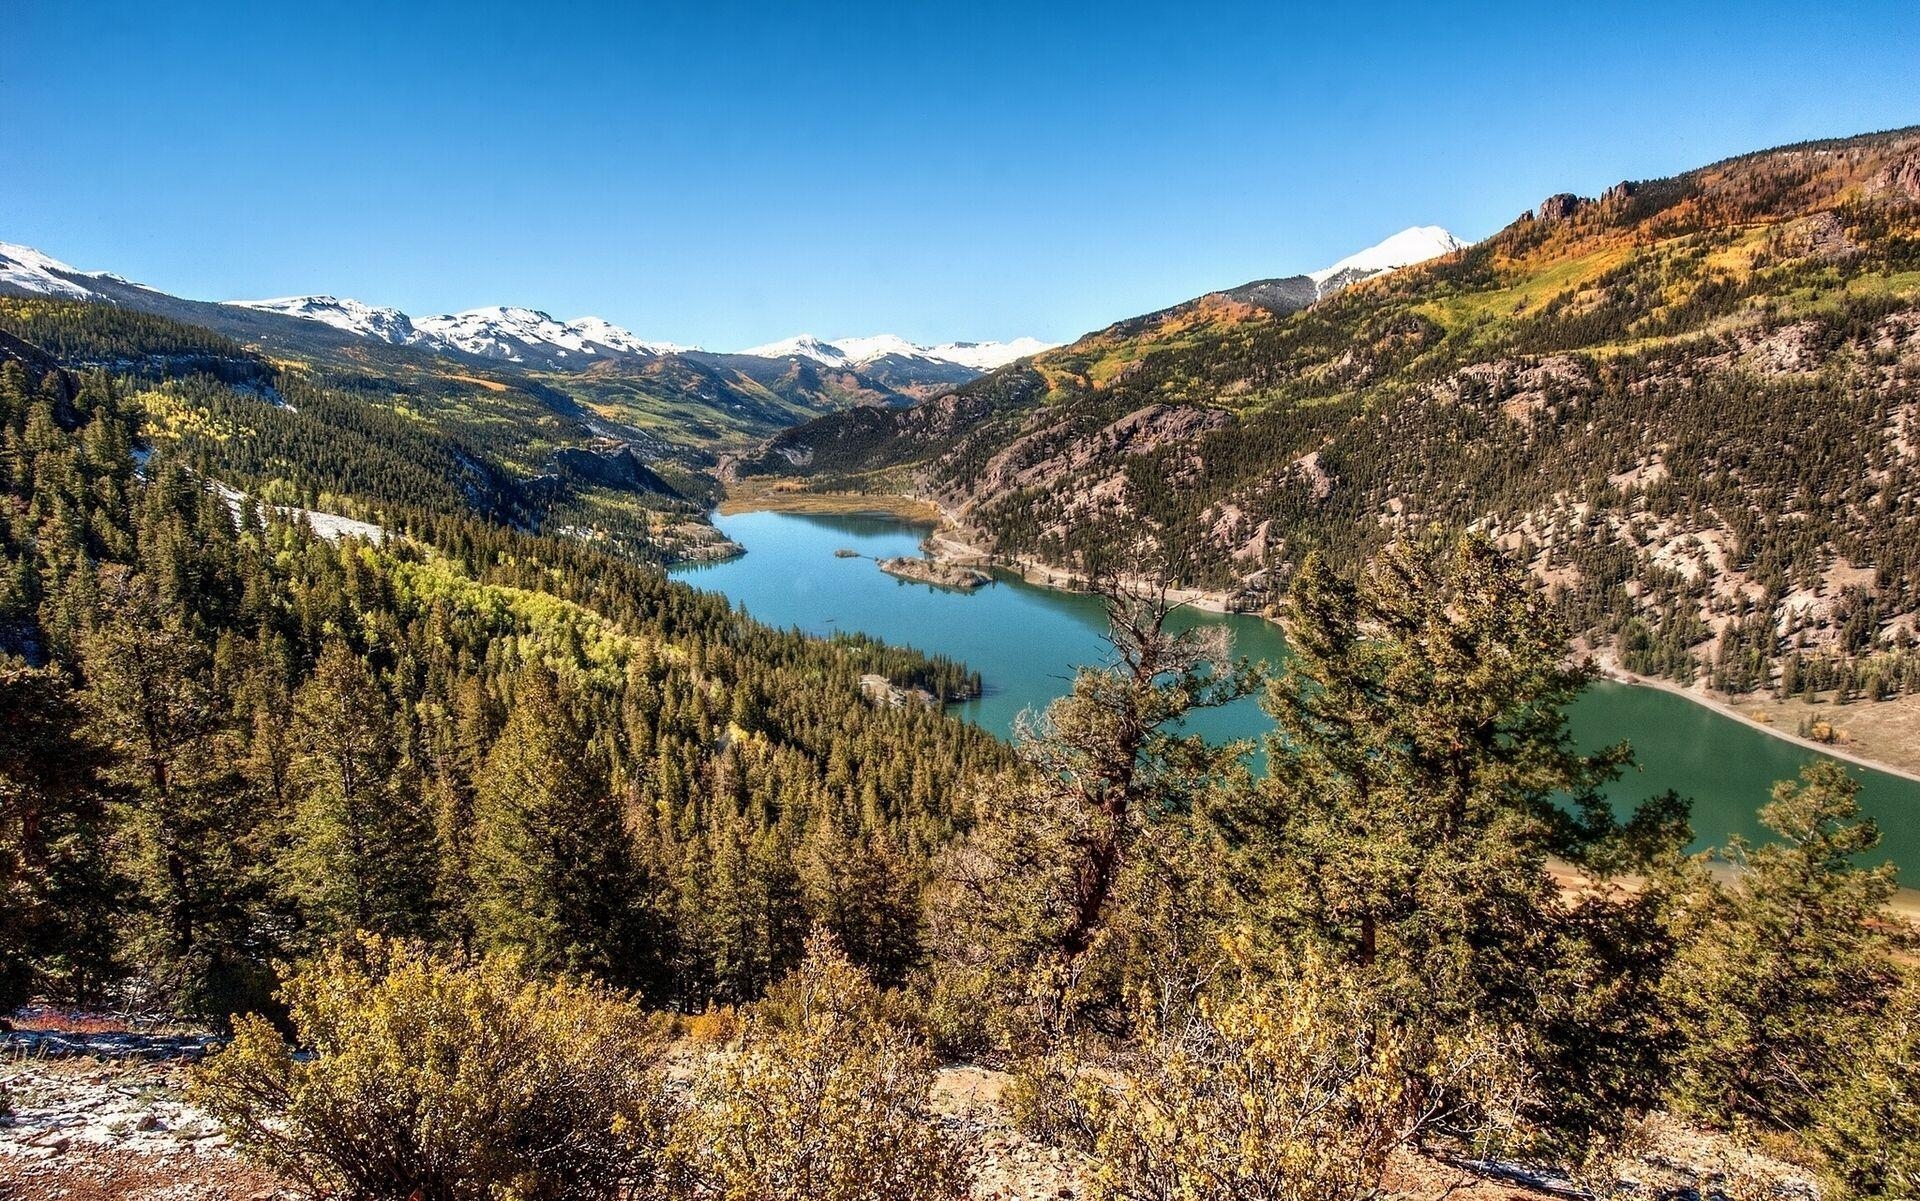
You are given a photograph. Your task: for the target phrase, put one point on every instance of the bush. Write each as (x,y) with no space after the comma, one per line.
(716,1026)
(1868,1124)
(1045,1097)
(1292,1088)
(825,1098)
(443,1082)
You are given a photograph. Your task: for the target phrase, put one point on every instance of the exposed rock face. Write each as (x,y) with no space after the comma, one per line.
(1901,178)
(1619,193)
(1038,457)
(1821,236)
(1561,206)
(613,469)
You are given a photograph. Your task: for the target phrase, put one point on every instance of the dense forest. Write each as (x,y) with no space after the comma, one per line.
(241,739)
(1689,405)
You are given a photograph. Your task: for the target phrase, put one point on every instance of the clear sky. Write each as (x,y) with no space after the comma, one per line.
(726,173)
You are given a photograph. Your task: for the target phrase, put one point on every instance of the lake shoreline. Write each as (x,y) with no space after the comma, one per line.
(1610,669)
(949,542)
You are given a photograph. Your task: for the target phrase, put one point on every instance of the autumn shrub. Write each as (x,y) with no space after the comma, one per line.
(443,1081)
(1045,1096)
(715,1026)
(826,1097)
(1294,1087)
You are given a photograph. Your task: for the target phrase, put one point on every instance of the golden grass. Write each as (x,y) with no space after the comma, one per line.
(1884,731)
(787,496)
(491,385)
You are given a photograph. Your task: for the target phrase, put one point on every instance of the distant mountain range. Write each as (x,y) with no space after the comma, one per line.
(522,336)
(858,352)
(510,334)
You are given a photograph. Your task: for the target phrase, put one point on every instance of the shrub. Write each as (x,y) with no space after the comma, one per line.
(825,1098)
(1292,1088)
(1868,1124)
(716,1026)
(443,1082)
(1045,1097)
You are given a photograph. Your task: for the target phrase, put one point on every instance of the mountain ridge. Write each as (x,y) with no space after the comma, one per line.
(1690,403)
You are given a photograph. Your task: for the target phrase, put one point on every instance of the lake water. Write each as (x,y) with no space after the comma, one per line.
(1026,641)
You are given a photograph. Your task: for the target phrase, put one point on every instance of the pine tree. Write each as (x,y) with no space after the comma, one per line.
(150,688)
(362,855)
(555,880)
(56,883)
(1422,775)
(1026,903)
(1777,975)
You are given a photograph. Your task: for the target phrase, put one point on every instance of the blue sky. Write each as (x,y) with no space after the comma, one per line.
(727,173)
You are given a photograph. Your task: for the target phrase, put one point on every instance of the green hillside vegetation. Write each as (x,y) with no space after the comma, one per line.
(280,737)
(378,789)
(1689,405)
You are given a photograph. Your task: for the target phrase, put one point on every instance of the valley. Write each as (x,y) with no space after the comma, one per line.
(1373,728)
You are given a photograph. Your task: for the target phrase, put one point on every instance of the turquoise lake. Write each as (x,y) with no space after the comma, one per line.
(1026,642)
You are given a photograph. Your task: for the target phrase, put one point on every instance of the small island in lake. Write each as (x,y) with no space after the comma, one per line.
(846,552)
(932,571)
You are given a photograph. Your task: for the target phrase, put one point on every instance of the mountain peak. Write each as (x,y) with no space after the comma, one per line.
(859,351)
(343,313)
(1415,244)
(24,269)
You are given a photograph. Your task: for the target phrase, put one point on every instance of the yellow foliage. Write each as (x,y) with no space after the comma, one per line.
(824,1099)
(717,1026)
(1294,1088)
(443,1081)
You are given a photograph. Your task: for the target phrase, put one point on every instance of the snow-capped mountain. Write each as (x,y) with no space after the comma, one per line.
(802,346)
(25,270)
(986,356)
(353,316)
(519,335)
(859,352)
(1414,245)
(514,335)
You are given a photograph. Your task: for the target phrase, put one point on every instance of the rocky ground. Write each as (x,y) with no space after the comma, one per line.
(101,1113)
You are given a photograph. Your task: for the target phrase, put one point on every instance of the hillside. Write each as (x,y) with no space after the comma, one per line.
(1692,403)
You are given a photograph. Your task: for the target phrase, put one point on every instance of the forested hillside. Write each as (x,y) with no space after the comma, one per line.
(236,739)
(1690,405)
(473,817)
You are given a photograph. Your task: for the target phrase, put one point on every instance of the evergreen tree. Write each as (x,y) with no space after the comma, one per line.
(554,877)
(363,850)
(150,686)
(1027,905)
(1422,776)
(56,883)
(1783,975)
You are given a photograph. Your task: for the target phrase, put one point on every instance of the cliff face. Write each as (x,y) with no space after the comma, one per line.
(1690,402)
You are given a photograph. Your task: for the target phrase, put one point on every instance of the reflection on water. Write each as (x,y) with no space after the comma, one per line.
(1026,642)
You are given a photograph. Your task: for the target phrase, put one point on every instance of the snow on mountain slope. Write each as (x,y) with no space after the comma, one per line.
(598,331)
(24,269)
(521,335)
(353,316)
(504,332)
(516,335)
(801,346)
(985,356)
(855,352)
(1409,246)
